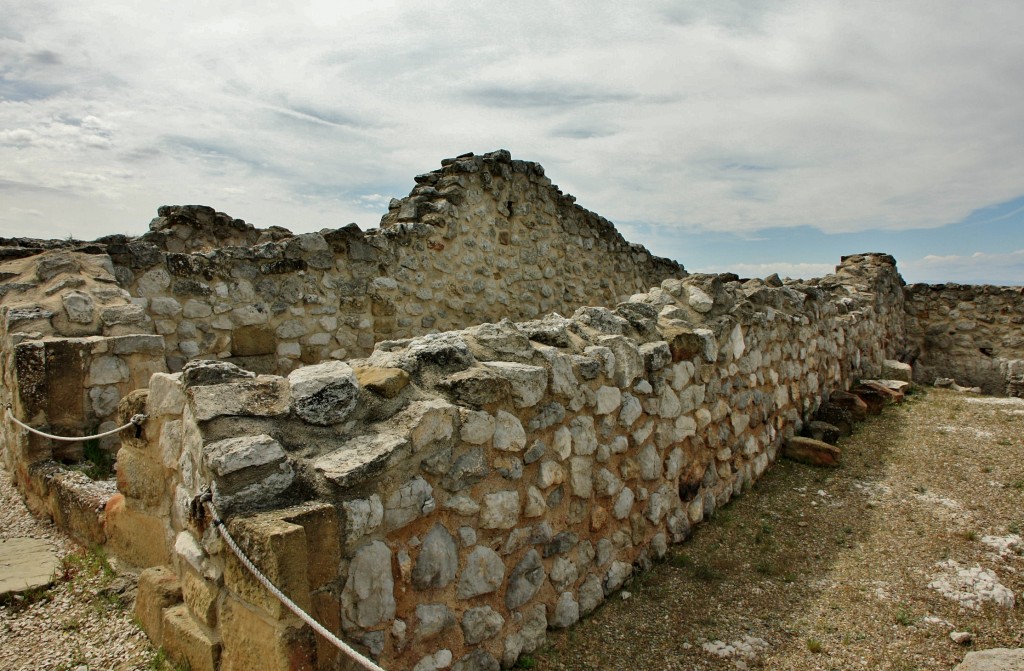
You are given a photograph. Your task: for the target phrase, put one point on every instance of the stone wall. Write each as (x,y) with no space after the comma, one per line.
(481,239)
(447,499)
(973,334)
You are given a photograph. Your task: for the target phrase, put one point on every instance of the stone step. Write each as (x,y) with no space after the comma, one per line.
(26,564)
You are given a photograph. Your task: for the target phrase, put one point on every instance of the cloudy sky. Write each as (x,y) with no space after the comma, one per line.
(754,136)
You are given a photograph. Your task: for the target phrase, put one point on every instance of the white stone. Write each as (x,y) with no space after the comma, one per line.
(477,426)
(500,510)
(550,473)
(411,500)
(561,443)
(509,434)
(581,477)
(528,382)
(631,410)
(107,370)
(698,299)
(608,400)
(368,596)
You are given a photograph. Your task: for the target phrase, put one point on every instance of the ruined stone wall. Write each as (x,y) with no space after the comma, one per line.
(481,239)
(973,334)
(449,498)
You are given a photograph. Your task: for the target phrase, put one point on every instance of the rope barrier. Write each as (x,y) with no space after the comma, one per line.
(292,606)
(137,421)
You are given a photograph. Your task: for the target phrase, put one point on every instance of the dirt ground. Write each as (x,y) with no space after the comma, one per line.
(871,565)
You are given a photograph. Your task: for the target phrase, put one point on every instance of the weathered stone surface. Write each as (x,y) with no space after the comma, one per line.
(408,502)
(249,469)
(187,640)
(616,576)
(437,561)
(995,659)
(159,588)
(324,394)
(483,573)
(468,469)
(251,641)
(897,370)
(368,596)
(500,510)
(508,432)
(823,431)
(566,611)
(527,383)
(360,457)
(478,660)
(265,396)
(480,624)
(386,382)
(26,564)
(432,619)
(477,426)
(812,452)
(79,307)
(525,579)
(591,595)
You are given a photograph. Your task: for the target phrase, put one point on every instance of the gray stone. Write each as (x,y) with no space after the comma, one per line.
(480,624)
(649,463)
(477,426)
(584,437)
(591,595)
(194,309)
(368,596)
(567,612)
(79,307)
(248,469)
(441,659)
(432,619)
(563,573)
(529,638)
(463,505)
(26,564)
(608,400)
(995,659)
(204,372)
(508,432)
(525,579)
(266,396)
(324,394)
(478,660)
(360,458)
(437,561)
(483,573)
(616,576)
(123,314)
(361,517)
(164,306)
(409,502)
(468,469)
(104,400)
(528,383)
(107,370)
(581,476)
(631,410)
(697,299)
(500,510)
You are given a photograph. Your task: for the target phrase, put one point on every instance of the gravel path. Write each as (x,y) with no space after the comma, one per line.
(84,622)
(878,564)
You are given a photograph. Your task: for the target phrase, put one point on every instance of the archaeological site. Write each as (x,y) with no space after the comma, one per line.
(441,437)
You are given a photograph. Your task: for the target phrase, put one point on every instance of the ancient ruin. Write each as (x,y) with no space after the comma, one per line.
(440,437)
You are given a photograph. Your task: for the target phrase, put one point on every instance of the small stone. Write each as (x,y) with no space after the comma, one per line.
(480,624)
(483,573)
(961,637)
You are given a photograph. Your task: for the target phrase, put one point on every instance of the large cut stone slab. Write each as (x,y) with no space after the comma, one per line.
(996,659)
(360,457)
(25,564)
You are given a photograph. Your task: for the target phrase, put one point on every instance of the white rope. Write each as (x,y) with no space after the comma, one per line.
(137,420)
(292,606)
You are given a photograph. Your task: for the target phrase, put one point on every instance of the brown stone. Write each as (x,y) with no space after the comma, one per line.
(876,399)
(811,452)
(386,382)
(279,549)
(323,540)
(856,407)
(254,641)
(135,537)
(159,588)
(140,477)
(996,659)
(200,595)
(187,640)
(253,341)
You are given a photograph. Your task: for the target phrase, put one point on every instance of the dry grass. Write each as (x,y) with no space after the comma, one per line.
(831,567)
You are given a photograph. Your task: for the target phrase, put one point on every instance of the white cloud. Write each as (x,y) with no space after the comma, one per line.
(782,268)
(1001,269)
(721,116)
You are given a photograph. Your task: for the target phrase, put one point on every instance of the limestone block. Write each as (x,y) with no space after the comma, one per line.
(410,501)
(477,426)
(550,473)
(159,588)
(561,443)
(897,370)
(566,611)
(535,503)
(584,436)
(630,410)
(698,299)
(324,394)
(368,596)
(136,538)
(623,504)
(528,383)
(386,382)
(104,400)
(810,451)
(252,641)
(608,400)
(429,423)
(629,363)
(480,624)
(437,561)
(508,432)
(253,340)
(106,370)
(432,619)
(265,396)
(360,458)
(524,580)
(139,476)
(477,386)
(164,306)
(483,573)
(248,469)
(591,595)
(280,549)
(79,307)
(200,595)
(463,505)
(500,510)
(187,640)
(468,469)
(616,576)
(137,343)
(362,516)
